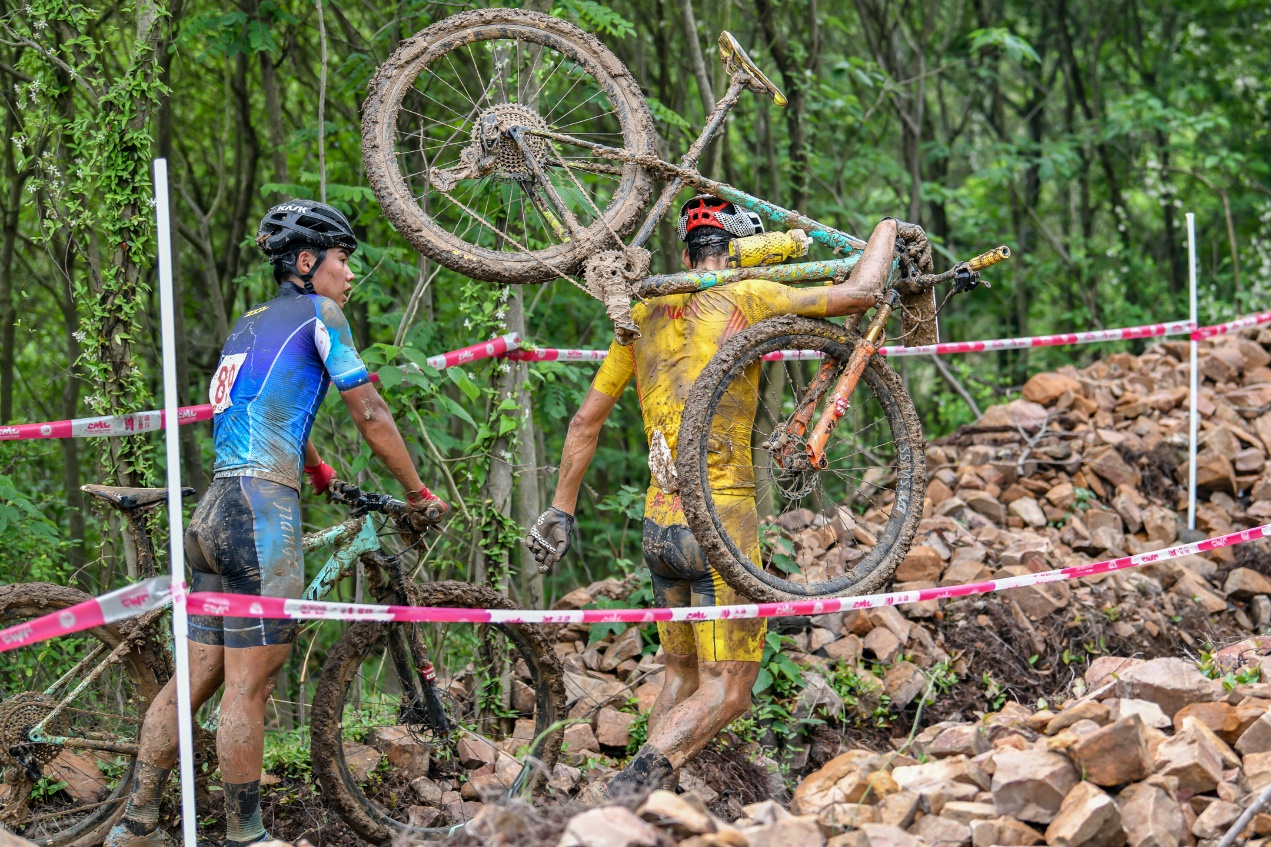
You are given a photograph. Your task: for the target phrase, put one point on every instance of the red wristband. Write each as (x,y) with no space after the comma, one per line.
(420,496)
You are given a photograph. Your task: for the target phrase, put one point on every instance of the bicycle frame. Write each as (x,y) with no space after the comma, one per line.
(352,539)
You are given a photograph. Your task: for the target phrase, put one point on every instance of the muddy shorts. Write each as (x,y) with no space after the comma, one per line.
(244,538)
(681,577)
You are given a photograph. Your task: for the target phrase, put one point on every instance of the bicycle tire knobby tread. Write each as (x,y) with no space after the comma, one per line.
(344,660)
(794,332)
(144,663)
(379,122)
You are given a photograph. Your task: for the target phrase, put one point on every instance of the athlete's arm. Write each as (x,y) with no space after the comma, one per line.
(374,420)
(859,293)
(580,446)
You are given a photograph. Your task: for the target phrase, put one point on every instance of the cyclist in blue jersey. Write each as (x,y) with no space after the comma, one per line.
(245,535)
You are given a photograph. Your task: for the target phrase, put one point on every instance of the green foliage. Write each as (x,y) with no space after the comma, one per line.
(594,16)
(776,671)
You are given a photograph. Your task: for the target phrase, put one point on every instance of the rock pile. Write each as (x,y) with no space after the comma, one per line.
(1154,753)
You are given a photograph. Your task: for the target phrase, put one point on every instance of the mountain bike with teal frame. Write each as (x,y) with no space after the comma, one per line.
(71,708)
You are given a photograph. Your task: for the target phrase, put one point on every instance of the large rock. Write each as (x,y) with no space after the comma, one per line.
(1001,832)
(672,812)
(1046,388)
(1220,716)
(921,564)
(1108,464)
(1245,583)
(403,749)
(1028,510)
(903,682)
(937,829)
(1257,738)
(1115,754)
(1150,817)
(1169,683)
(885,835)
(856,776)
(966,740)
(1087,818)
(610,826)
(1017,413)
(613,728)
(1192,758)
(1030,784)
(1216,819)
(801,830)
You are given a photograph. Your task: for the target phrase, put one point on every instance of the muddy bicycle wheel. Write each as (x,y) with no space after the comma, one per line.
(773,526)
(79,793)
(370,758)
(450,179)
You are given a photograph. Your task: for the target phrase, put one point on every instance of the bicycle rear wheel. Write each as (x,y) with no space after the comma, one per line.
(459,189)
(832,532)
(80,793)
(370,758)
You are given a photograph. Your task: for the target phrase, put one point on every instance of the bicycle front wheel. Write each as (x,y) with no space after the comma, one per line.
(386,773)
(775,527)
(77,792)
(452,180)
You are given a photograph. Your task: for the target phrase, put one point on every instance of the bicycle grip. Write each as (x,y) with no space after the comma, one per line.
(992,257)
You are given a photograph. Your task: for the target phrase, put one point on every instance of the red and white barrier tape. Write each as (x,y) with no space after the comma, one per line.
(1124,334)
(552,354)
(152,421)
(109,608)
(508,346)
(1231,326)
(153,593)
(107,425)
(485,350)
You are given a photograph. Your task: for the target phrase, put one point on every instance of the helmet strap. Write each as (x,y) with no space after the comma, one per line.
(306,280)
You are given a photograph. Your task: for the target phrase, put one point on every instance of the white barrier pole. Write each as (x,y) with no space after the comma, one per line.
(1193,415)
(176,533)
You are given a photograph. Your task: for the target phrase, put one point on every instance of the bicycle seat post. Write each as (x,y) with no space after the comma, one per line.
(135,504)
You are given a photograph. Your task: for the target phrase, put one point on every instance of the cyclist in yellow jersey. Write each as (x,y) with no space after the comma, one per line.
(710,665)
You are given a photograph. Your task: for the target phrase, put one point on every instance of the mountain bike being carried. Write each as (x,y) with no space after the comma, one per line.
(515,148)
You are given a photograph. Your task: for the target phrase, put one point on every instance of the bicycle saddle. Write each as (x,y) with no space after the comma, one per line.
(131,498)
(735,59)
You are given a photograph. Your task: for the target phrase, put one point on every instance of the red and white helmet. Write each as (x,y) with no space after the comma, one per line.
(705,210)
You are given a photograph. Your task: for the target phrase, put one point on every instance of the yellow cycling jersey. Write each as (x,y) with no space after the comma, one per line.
(678,335)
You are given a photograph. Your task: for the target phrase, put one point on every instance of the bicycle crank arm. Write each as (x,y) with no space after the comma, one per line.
(840,397)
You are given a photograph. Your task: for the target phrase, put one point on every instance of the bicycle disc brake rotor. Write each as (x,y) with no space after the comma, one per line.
(18,715)
(788,465)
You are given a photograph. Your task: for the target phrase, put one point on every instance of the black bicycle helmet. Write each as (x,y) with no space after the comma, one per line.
(295,225)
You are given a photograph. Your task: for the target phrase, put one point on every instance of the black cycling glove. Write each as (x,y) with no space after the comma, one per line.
(550,537)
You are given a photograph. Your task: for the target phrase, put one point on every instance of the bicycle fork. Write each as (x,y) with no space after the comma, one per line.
(840,397)
(421,701)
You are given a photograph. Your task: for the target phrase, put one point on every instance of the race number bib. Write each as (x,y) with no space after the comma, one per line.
(223,381)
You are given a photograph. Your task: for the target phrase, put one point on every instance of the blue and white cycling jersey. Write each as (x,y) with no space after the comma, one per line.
(272,378)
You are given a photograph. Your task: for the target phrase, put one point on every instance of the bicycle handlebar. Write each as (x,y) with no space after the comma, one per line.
(364,502)
(960,270)
(992,257)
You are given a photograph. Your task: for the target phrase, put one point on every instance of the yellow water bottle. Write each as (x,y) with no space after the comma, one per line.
(767,248)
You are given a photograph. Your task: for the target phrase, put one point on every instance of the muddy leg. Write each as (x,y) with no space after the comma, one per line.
(157,752)
(159,731)
(680,683)
(250,674)
(722,695)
